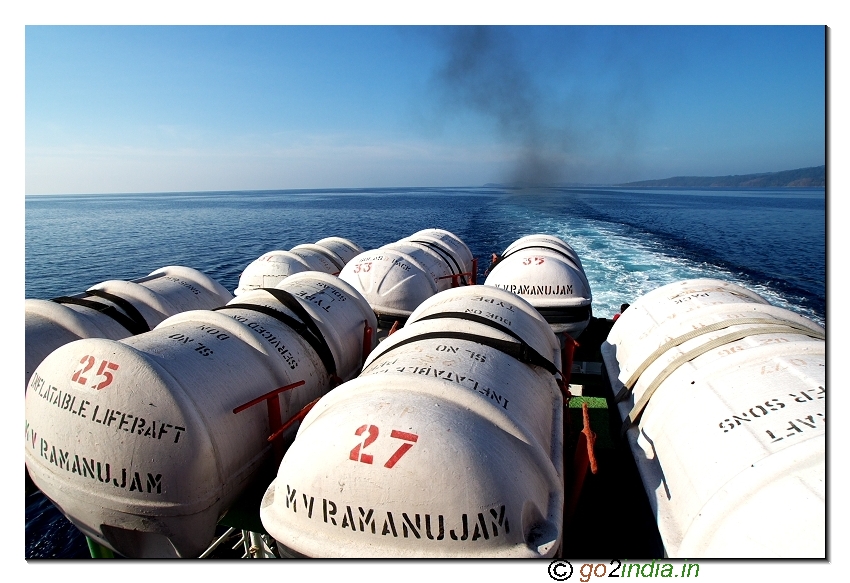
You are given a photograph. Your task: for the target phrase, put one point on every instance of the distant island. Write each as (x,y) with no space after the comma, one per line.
(813,176)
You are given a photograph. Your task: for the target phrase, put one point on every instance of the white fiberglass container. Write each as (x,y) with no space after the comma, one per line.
(116,309)
(393,283)
(723,397)
(269,269)
(318,257)
(449,444)
(345,249)
(541,241)
(450,247)
(327,255)
(547,272)
(397,277)
(138,442)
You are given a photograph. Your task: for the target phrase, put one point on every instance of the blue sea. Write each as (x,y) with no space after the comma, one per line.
(630,241)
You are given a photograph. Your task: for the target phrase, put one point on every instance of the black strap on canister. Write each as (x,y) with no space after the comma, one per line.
(565,315)
(131,318)
(305,327)
(446,256)
(519,350)
(768,326)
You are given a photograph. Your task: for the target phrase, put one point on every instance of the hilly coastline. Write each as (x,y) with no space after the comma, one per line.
(812,176)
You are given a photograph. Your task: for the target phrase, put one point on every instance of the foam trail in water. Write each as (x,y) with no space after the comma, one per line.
(621,267)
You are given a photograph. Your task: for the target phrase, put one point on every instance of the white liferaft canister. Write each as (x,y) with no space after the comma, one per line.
(318,257)
(450,247)
(327,255)
(393,282)
(542,241)
(446,445)
(341,314)
(116,309)
(545,271)
(723,397)
(399,276)
(269,269)
(137,441)
(439,265)
(343,248)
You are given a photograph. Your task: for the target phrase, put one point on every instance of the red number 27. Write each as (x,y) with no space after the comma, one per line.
(372,434)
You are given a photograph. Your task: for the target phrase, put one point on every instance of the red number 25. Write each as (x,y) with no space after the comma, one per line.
(103,371)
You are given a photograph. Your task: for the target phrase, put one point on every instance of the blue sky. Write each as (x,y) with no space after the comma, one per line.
(186,108)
